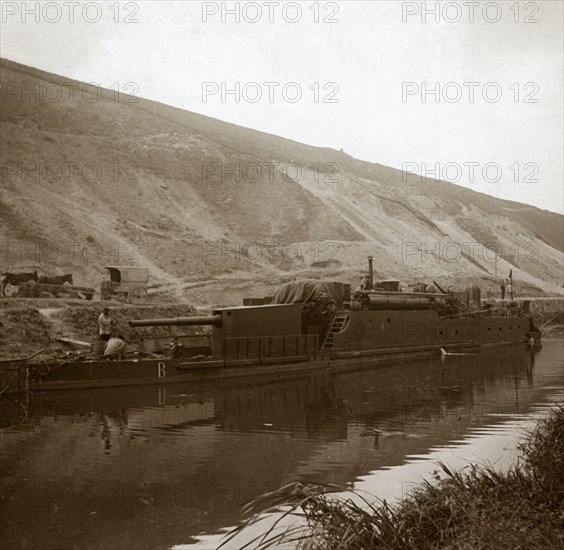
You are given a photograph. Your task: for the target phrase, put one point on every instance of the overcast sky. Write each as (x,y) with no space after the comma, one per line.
(371,58)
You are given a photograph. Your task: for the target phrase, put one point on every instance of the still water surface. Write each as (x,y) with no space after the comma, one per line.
(150,467)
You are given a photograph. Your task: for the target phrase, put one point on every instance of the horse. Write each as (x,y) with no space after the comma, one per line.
(58,280)
(15,279)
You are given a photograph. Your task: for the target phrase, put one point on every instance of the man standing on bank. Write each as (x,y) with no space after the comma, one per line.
(105,324)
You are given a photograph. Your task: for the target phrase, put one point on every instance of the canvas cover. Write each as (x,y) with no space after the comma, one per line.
(308,291)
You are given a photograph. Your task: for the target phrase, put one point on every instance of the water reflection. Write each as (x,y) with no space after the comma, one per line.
(151,467)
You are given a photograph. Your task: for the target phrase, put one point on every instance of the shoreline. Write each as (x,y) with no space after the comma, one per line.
(520,507)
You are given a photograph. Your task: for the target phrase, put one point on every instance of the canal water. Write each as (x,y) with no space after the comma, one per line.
(171,466)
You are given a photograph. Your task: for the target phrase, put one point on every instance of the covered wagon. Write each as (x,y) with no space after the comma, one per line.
(125,283)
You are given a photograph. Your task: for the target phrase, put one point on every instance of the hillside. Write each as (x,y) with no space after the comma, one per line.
(148,186)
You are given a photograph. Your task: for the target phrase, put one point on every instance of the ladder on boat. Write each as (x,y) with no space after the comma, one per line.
(338,325)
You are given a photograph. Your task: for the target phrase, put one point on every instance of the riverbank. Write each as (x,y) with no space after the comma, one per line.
(26,326)
(547,310)
(481,508)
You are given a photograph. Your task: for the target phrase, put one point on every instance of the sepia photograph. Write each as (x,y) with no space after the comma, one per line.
(281,275)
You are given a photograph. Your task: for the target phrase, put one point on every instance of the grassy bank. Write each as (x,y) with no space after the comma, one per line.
(520,508)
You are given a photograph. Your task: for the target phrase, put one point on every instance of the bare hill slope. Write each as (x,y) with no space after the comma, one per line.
(88,182)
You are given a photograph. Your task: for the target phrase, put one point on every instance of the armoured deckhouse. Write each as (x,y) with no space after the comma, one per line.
(312,321)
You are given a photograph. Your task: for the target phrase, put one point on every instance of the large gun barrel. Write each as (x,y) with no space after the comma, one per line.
(214,320)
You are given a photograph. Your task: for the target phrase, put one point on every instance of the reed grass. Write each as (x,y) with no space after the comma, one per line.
(479,508)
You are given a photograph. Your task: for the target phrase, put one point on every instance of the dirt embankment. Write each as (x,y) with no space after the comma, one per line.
(23,331)
(26,328)
(548,310)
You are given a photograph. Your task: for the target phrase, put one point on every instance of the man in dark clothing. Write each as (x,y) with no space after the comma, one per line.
(502,286)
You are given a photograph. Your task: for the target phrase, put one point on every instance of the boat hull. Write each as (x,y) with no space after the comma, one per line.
(369,338)
(102,374)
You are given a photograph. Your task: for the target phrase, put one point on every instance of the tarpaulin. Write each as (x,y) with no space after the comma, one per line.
(306,291)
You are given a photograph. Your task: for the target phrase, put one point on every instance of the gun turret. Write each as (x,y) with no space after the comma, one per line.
(214,320)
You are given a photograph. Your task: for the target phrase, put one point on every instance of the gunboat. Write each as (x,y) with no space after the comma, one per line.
(306,325)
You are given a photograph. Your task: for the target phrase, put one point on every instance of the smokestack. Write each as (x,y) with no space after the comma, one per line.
(370,273)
